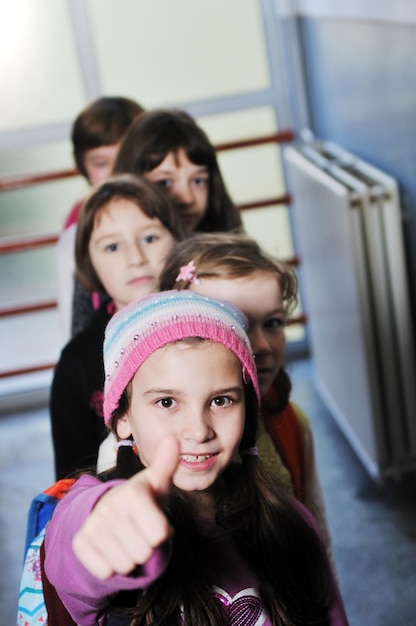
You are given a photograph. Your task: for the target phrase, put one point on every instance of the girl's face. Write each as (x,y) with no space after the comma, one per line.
(186,184)
(99,162)
(194,392)
(259,297)
(128,250)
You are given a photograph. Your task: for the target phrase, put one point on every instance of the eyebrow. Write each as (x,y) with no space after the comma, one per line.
(203,169)
(114,234)
(154,391)
(269,313)
(104,237)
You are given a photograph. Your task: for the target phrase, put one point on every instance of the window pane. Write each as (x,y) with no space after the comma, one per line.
(181,50)
(41,78)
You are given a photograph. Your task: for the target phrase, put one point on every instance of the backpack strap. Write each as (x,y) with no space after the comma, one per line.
(32,609)
(59,489)
(288,438)
(41,508)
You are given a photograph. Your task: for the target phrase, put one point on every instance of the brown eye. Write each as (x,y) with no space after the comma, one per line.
(221,401)
(274,323)
(165,403)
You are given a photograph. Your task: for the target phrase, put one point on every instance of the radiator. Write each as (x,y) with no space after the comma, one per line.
(348,234)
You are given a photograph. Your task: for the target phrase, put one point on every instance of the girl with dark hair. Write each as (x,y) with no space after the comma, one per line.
(189,528)
(170,149)
(125,231)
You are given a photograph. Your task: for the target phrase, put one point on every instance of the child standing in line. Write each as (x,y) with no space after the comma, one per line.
(233,267)
(125,231)
(193,536)
(171,150)
(96,137)
(167,147)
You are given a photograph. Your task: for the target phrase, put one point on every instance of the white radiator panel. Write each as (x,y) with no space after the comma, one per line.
(347,224)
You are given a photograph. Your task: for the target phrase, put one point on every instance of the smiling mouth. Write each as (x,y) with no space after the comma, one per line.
(190,458)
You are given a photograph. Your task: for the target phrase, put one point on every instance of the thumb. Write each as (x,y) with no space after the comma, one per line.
(160,472)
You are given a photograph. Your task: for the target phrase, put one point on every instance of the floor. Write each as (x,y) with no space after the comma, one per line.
(373,528)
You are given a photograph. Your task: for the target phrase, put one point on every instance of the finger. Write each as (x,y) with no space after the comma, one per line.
(142,527)
(160,472)
(91,557)
(122,531)
(123,550)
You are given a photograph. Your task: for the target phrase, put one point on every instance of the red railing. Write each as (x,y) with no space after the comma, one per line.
(26,180)
(28,308)
(21,244)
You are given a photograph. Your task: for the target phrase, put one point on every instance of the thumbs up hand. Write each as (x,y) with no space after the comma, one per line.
(128,522)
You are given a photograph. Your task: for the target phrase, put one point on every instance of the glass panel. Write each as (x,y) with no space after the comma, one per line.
(41,79)
(29,340)
(253,173)
(271,227)
(41,209)
(46,157)
(28,276)
(38,208)
(165,52)
(243,124)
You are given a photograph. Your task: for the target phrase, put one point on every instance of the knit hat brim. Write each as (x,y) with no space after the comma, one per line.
(160,319)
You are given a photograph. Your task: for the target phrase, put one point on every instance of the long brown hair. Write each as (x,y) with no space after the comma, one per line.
(155,134)
(280,547)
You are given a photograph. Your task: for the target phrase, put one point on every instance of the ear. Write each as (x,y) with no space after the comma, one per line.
(123,427)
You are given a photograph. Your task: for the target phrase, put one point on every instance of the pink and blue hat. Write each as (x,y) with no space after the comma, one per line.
(154,321)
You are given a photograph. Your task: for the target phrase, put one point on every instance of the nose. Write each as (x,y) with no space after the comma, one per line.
(258,341)
(197,427)
(136,254)
(182,193)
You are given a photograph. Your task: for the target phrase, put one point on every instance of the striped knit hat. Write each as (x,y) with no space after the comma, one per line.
(134,333)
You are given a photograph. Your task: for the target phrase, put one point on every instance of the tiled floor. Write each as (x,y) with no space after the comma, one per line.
(373,529)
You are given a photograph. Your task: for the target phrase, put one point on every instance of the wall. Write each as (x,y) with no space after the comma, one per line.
(358,60)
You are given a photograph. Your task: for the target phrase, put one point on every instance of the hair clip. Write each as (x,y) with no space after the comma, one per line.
(125,442)
(187,272)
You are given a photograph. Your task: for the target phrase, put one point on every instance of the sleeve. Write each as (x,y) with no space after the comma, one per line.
(74,423)
(84,596)
(82,309)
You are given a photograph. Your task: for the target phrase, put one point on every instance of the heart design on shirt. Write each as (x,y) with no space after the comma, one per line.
(244,609)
